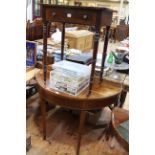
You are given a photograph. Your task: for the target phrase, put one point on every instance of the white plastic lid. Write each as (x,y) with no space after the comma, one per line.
(72,66)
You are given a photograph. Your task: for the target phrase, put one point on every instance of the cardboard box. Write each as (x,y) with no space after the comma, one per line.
(80,39)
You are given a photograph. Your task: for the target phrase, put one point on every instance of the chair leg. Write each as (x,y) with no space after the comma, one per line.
(107,133)
(103,133)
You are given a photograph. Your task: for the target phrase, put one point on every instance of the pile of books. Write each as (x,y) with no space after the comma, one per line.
(69,77)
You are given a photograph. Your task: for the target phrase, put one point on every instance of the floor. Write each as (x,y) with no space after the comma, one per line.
(62,133)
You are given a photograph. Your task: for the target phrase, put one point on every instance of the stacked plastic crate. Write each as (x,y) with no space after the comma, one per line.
(69,77)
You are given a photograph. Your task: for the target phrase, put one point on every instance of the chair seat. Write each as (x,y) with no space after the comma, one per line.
(123,130)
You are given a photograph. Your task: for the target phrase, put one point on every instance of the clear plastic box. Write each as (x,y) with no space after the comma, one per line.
(74,69)
(69,77)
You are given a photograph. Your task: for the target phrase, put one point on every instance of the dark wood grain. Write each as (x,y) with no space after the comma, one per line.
(59,14)
(45,48)
(104,51)
(62,40)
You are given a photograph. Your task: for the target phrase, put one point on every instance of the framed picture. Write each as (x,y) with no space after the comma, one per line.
(30,54)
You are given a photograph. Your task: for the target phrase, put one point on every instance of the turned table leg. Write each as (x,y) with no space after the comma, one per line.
(43,117)
(81,125)
(123,96)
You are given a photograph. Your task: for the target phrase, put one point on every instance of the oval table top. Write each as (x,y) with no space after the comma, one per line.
(102,94)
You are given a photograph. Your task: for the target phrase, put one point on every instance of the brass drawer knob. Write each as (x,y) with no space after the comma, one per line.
(53,14)
(85,16)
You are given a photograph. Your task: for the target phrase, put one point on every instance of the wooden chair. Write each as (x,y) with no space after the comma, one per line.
(34,30)
(121,32)
(118,128)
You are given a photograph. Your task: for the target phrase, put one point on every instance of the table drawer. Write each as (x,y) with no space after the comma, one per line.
(71,16)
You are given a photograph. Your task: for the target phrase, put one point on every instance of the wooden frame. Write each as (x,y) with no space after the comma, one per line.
(87,16)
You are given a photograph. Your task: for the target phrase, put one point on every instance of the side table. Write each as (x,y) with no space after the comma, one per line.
(102,94)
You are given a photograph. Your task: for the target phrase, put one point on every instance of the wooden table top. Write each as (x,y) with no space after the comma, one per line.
(102,94)
(105,89)
(85,16)
(118,78)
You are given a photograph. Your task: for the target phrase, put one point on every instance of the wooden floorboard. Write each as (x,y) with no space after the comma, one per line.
(62,134)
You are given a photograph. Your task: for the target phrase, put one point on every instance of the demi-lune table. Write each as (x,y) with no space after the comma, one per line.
(103,94)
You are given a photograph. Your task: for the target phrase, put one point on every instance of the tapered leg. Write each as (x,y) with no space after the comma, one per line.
(44,49)
(43,117)
(104,51)
(122,99)
(103,133)
(96,42)
(81,125)
(62,41)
